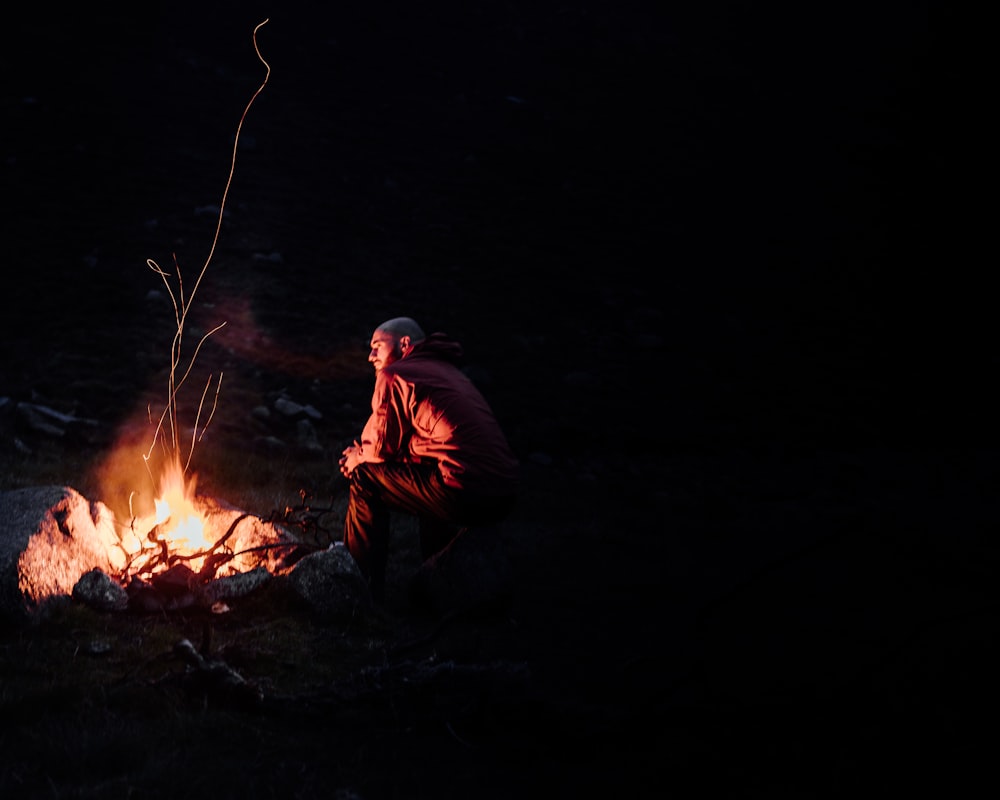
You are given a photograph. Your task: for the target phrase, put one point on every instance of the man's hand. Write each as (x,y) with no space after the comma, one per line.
(350,459)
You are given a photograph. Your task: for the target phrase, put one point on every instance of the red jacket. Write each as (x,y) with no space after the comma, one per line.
(425,407)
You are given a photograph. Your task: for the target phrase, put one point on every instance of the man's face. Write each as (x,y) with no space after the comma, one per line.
(385,350)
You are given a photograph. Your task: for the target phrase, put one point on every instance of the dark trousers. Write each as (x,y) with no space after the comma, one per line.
(377,489)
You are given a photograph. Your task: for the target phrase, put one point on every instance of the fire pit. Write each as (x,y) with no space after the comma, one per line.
(54,543)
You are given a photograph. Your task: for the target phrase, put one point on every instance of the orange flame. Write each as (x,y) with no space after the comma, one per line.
(180,523)
(177,522)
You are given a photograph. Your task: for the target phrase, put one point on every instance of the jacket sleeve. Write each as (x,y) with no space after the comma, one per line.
(386,434)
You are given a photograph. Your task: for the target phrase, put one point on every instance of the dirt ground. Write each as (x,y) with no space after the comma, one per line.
(690,255)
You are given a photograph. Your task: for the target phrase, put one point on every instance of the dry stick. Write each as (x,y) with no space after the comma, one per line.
(201,404)
(172,403)
(181,308)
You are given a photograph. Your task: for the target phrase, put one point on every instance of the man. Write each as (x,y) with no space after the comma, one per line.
(431,448)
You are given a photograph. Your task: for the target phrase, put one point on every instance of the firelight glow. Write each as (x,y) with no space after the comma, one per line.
(176,512)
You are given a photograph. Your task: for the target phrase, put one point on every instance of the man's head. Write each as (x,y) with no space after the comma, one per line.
(392,340)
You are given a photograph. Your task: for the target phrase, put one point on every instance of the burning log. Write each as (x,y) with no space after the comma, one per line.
(179,588)
(174,589)
(211,558)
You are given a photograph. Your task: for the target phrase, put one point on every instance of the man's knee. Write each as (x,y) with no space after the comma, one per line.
(362,481)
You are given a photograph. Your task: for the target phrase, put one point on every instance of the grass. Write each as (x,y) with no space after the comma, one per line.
(97,703)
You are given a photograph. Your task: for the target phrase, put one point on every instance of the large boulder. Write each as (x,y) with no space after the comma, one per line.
(50,536)
(329,584)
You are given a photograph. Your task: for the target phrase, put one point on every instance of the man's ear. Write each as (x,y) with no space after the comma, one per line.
(404,343)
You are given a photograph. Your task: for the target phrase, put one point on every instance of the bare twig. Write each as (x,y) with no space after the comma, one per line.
(182,305)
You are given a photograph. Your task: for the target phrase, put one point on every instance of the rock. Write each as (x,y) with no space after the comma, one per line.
(292,409)
(307,439)
(239,585)
(100,591)
(270,445)
(330,584)
(50,536)
(49,421)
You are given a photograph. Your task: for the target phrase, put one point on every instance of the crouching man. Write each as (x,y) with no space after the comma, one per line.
(432,448)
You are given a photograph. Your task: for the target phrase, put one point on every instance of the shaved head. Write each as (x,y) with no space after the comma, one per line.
(392,340)
(402,326)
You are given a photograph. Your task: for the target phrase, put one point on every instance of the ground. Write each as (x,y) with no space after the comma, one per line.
(686,252)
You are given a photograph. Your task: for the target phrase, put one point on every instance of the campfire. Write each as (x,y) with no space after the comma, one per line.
(186,540)
(175,532)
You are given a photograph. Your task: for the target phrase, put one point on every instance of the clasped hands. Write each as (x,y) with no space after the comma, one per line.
(350,459)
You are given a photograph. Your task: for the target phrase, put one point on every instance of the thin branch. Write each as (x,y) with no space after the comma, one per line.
(182,305)
(194,431)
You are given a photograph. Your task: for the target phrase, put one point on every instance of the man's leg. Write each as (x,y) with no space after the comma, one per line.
(366,532)
(377,489)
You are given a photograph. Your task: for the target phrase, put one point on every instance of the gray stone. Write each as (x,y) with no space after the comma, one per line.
(239,585)
(49,537)
(292,409)
(330,584)
(99,590)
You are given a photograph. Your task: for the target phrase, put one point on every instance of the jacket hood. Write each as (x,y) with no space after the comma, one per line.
(437,345)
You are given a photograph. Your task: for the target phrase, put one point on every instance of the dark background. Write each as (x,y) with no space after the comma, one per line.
(703,260)
(740,205)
